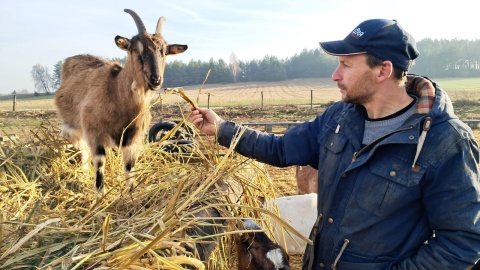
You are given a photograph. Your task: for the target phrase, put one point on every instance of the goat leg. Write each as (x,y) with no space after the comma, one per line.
(99,160)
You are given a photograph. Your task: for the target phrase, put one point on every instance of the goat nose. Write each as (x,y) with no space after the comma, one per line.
(154,80)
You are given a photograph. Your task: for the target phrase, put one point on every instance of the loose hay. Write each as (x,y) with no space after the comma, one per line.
(51,217)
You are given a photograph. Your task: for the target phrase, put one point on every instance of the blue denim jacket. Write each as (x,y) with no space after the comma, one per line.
(381,207)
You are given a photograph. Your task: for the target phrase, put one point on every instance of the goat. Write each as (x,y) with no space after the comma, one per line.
(180,141)
(103,104)
(256,251)
(212,224)
(307,180)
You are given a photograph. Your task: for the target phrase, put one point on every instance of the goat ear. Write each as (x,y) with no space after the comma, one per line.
(122,43)
(176,48)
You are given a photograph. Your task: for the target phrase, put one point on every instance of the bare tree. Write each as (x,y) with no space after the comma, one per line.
(57,74)
(42,79)
(234,68)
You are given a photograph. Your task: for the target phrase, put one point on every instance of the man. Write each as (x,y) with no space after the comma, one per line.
(398,183)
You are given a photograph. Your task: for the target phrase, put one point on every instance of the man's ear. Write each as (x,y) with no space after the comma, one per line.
(122,43)
(385,70)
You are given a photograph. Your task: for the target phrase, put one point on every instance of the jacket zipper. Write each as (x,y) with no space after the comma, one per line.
(372,144)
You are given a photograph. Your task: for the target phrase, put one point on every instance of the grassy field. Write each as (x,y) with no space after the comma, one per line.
(290,92)
(459,84)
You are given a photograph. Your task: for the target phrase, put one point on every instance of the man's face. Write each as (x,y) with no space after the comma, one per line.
(355,79)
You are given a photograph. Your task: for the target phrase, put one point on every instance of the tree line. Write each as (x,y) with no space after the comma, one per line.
(438,58)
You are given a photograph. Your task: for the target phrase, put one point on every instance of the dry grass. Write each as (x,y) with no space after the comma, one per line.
(51,218)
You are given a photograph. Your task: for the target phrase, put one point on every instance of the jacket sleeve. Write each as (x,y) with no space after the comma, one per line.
(452,204)
(298,146)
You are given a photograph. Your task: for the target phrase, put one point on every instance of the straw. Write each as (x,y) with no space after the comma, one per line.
(51,217)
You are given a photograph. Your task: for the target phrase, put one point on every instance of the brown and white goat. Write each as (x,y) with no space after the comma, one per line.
(103,104)
(257,252)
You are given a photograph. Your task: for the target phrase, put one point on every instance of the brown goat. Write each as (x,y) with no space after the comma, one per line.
(307,180)
(257,252)
(103,104)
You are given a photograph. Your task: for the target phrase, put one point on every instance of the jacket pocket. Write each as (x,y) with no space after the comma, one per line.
(330,156)
(350,261)
(388,184)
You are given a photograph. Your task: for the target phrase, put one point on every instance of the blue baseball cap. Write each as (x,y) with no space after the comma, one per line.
(384,39)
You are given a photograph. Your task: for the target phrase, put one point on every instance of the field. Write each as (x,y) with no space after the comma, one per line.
(295,100)
(290,92)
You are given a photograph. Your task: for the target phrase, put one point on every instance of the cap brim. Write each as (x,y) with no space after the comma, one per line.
(340,47)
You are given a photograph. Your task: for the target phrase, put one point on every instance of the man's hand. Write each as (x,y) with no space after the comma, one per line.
(205,120)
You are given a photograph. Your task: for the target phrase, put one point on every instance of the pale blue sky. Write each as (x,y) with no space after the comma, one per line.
(45,32)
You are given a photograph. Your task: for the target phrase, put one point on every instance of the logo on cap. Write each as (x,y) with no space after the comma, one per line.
(357,33)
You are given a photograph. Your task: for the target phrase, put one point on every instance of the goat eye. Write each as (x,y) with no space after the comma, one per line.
(163,50)
(140,58)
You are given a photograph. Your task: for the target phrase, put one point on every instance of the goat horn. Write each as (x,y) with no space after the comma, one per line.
(140,26)
(158,32)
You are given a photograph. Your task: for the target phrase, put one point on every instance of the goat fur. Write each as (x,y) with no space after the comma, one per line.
(307,180)
(256,251)
(102,104)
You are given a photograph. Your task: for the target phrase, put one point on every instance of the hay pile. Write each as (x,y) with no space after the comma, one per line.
(52,218)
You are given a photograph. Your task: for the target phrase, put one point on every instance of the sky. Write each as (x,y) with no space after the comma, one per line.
(45,32)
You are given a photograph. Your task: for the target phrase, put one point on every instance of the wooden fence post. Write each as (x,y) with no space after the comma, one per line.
(161,103)
(311,99)
(262,98)
(14,101)
(208,100)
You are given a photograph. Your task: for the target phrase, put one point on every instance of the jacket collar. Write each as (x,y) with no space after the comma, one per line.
(419,86)
(424,90)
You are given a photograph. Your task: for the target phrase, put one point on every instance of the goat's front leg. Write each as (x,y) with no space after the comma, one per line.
(85,154)
(129,159)
(99,159)
(75,137)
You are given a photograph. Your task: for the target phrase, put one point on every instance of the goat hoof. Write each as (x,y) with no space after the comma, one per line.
(129,186)
(101,190)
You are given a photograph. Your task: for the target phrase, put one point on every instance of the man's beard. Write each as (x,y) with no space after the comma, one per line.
(361,92)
